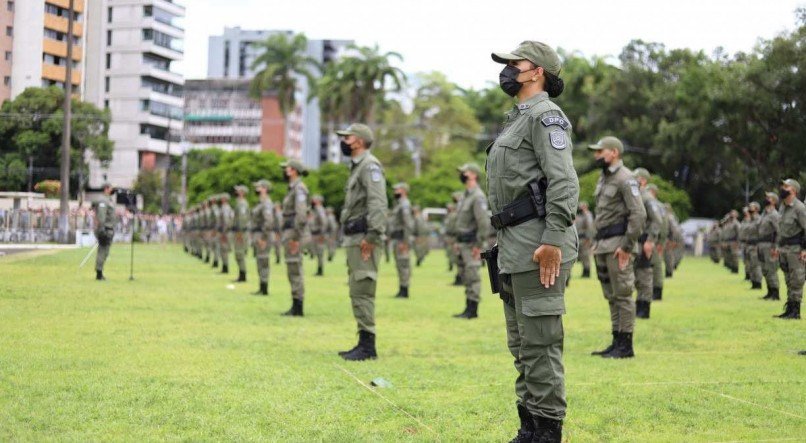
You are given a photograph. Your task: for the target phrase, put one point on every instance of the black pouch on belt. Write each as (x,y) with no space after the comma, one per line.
(491,257)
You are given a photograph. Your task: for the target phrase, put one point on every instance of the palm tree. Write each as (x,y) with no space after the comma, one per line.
(282,61)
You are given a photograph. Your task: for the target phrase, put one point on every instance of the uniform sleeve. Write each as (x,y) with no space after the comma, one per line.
(802,223)
(552,146)
(654,221)
(482,220)
(268,217)
(375,184)
(408,221)
(637,214)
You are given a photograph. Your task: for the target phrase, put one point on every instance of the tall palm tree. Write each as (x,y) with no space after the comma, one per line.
(282,61)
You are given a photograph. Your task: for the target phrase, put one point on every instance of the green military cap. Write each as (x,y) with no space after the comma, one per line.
(754,206)
(295,164)
(451,206)
(771,195)
(457,195)
(470,167)
(359,130)
(608,142)
(641,173)
(792,182)
(262,183)
(652,187)
(240,188)
(583,203)
(745,209)
(401,185)
(318,197)
(733,213)
(224,196)
(538,53)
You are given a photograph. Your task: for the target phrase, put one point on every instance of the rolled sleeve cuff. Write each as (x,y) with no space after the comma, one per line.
(627,244)
(373,237)
(553,238)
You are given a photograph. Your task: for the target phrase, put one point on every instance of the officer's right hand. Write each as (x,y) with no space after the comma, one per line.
(623,258)
(774,253)
(366,250)
(293,247)
(548,257)
(649,248)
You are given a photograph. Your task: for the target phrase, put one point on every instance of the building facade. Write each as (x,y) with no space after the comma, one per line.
(231,55)
(132,46)
(33,44)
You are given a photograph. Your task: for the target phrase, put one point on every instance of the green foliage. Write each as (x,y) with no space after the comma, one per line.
(667,193)
(435,186)
(280,61)
(329,181)
(151,184)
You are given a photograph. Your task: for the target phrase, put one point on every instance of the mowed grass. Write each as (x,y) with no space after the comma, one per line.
(175,355)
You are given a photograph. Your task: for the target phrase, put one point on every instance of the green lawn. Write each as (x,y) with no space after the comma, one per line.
(176,355)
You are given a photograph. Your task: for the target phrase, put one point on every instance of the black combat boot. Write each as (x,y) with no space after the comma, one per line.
(772,294)
(746,276)
(756,285)
(527,431)
(548,430)
(241,277)
(277,260)
(794,311)
(299,312)
(640,310)
(586,273)
(207,259)
(787,310)
(295,310)
(215,263)
(99,275)
(657,293)
(403,292)
(343,353)
(623,348)
(668,273)
(419,262)
(472,309)
(734,270)
(365,349)
(264,289)
(609,348)
(647,306)
(225,269)
(458,280)
(319,271)
(463,314)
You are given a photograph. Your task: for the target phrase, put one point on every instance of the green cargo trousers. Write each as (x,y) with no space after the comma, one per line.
(535,336)
(262,245)
(363,280)
(470,272)
(293,263)
(402,262)
(793,272)
(644,275)
(769,265)
(617,286)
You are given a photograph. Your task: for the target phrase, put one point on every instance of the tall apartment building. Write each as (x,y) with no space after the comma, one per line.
(33,44)
(131,48)
(230,56)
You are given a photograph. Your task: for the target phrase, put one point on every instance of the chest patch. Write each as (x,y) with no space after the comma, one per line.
(557,139)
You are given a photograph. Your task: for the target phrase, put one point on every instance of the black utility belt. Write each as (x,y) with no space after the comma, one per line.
(396,235)
(791,241)
(751,242)
(519,211)
(316,232)
(356,226)
(238,229)
(466,237)
(288,224)
(612,231)
(730,239)
(768,239)
(643,238)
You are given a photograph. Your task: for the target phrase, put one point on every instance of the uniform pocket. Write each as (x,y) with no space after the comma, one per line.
(543,305)
(511,162)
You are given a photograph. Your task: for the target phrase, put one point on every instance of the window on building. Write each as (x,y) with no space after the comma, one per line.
(108,61)
(9,31)
(10,6)
(148,11)
(8,56)
(106,104)
(148,34)
(108,38)
(7,81)
(106,84)
(109,14)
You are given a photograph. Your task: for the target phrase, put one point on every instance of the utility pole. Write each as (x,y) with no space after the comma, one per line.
(166,184)
(64,203)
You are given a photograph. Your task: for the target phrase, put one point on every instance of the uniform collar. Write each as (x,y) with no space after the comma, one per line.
(360,158)
(615,167)
(293,183)
(532,101)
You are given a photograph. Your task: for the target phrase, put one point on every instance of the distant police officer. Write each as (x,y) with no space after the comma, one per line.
(661,246)
(713,243)
(644,262)
(791,246)
(620,218)
(472,227)
(332,233)
(422,233)
(223,231)
(401,232)
(240,228)
(363,219)
(105,220)
(751,237)
(319,229)
(296,205)
(767,235)
(533,194)
(215,209)
(586,230)
(262,230)
(729,236)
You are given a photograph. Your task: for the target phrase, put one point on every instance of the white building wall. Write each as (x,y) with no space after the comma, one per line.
(29,24)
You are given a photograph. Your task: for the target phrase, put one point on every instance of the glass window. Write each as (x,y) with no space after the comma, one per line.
(10,6)
(109,14)
(9,31)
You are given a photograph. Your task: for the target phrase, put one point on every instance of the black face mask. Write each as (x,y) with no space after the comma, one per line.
(508,80)
(398,196)
(345,149)
(770,203)
(463,177)
(783,194)
(286,177)
(601,163)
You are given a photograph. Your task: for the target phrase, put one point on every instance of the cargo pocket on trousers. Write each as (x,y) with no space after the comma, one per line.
(361,275)
(549,304)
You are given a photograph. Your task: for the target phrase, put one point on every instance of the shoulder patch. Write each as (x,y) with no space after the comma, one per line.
(554,120)
(301,197)
(375,173)
(634,189)
(557,139)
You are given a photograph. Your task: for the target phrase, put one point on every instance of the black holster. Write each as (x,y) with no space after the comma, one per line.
(491,257)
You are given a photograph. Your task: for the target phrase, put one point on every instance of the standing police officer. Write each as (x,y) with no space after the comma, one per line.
(401,232)
(767,234)
(223,230)
(729,235)
(105,220)
(363,218)
(533,194)
(660,247)
(751,237)
(422,234)
(586,230)
(644,262)
(319,228)
(262,229)
(472,227)
(791,246)
(296,205)
(240,227)
(216,217)
(620,218)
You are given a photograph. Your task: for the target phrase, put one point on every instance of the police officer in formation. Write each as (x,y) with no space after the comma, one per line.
(767,234)
(363,219)
(674,248)
(647,257)
(729,237)
(296,205)
(790,246)
(620,218)
(533,193)
(332,233)
(422,233)
(240,230)
(401,232)
(223,229)
(661,247)
(586,230)
(752,262)
(319,231)
(262,229)
(216,220)
(105,220)
(472,227)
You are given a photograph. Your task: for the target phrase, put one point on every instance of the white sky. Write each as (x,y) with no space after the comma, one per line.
(457,36)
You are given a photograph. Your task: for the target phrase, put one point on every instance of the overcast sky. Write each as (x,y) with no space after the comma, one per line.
(457,36)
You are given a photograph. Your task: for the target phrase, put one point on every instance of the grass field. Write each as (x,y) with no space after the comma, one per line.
(175,355)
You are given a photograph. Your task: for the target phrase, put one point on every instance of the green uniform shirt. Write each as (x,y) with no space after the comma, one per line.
(584,225)
(295,210)
(768,225)
(535,144)
(263,216)
(216,210)
(241,221)
(450,224)
(654,217)
(319,220)
(421,228)
(105,214)
(366,198)
(793,221)
(472,216)
(618,200)
(730,232)
(227,218)
(402,219)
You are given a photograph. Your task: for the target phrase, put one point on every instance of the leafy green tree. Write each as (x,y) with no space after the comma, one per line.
(280,63)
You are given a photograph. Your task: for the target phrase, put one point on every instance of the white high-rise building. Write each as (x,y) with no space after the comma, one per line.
(131,48)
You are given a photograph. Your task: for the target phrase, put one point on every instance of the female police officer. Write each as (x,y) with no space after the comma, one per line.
(533,191)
